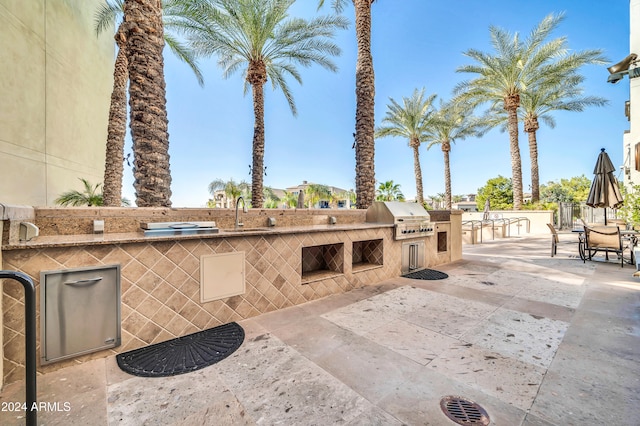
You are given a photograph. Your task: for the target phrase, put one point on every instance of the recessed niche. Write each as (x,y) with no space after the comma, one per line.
(366,255)
(320,262)
(442,241)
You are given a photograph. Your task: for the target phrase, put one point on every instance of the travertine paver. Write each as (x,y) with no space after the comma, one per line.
(504,377)
(529,338)
(414,342)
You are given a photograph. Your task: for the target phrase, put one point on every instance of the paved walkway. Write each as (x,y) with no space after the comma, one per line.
(534,340)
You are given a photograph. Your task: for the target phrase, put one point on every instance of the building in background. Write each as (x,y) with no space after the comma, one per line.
(631,138)
(56,78)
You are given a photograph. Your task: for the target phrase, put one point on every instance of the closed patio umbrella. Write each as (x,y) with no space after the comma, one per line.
(604,191)
(487,207)
(300,204)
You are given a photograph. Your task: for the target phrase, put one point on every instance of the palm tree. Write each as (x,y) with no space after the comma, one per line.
(315,192)
(231,189)
(270,197)
(502,78)
(259,37)
(410,120)
(453,121)
(289,199)
(389,191)
(107,15)
(537,105)
(365,103)
(436,200)
(90,196)
(517,68)
(143,34)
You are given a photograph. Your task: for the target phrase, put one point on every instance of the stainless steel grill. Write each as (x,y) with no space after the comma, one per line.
(411,220)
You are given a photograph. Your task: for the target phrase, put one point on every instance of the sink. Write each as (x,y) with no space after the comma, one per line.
(248,230)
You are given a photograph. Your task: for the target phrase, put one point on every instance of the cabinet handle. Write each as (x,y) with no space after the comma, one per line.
(88,282)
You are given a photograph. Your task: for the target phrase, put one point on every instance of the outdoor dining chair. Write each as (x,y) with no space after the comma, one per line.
(603,238)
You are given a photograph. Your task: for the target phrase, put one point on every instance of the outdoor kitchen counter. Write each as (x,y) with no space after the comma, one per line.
(137,237)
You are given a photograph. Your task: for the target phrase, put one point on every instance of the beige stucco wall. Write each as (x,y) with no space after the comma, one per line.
(632,136)
(537,222)
(55,80)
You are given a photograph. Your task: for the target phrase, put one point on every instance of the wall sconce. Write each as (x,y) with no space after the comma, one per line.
(617,71)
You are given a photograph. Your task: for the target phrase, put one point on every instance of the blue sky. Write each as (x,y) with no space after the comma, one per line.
(415,43)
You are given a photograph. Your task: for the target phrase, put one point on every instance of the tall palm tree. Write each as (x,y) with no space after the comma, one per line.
(504,75)
(143,33)
(258,37)
(453,121)
(231,189)
(389,191)
(410,120)
(106,17)
(365,103)
(538,104)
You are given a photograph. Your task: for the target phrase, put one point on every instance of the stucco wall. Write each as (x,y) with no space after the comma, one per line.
(55,80)
(632,136)
(537,221)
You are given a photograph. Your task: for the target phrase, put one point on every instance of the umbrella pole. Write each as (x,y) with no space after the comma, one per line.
(605,216)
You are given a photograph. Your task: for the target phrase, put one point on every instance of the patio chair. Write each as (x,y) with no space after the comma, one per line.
(554,239)
(603,238)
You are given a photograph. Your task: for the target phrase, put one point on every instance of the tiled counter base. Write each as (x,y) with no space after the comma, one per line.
(160,280)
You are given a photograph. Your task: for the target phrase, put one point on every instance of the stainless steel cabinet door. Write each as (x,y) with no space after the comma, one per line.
(80,311)
(412,257)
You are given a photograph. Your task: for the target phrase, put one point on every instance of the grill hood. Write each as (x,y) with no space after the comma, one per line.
(396,212)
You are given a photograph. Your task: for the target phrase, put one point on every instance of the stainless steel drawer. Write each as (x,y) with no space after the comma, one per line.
(80,311)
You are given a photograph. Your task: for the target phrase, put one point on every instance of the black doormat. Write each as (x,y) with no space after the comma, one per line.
(426,274)
(183,354)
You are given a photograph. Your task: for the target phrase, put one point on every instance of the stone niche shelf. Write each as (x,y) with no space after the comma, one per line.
(367,255)
(322,262)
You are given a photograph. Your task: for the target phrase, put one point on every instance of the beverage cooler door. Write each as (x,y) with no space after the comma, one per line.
(412,257)
(80,311)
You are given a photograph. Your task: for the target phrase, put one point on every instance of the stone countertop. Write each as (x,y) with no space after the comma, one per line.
(138,237)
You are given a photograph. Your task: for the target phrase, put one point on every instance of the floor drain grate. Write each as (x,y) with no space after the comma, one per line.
(464,411)
(426,274)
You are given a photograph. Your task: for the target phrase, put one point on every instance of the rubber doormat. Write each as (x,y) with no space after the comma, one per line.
(426,274)
(183,354)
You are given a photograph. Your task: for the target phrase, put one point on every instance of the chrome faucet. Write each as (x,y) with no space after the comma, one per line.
(244,209)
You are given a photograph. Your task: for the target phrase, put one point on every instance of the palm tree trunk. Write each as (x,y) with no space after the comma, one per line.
(511,104)
(365,121)
(147,101)
(446,147)
(415,144)
(257,171)
(116,129)
(531,127)
(257,77)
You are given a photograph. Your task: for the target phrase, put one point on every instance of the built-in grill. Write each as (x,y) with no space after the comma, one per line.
(411,220)
(178,228)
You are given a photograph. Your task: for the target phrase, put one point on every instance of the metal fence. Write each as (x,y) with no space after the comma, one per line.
(569,213)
